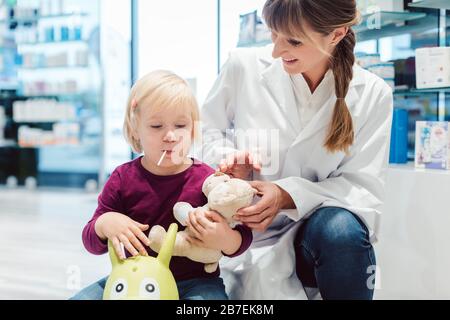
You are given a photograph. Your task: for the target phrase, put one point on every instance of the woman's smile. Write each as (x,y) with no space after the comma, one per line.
(290,62)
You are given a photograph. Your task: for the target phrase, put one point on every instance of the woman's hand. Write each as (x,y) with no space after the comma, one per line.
(239,165)
(212,231)
(260,215)
(120,228)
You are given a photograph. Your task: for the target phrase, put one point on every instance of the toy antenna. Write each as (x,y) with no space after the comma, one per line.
(165,254)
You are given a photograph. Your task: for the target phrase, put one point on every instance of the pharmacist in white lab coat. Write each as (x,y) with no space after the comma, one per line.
(311,130)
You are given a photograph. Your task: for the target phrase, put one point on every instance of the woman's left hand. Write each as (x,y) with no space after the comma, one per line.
(260,215)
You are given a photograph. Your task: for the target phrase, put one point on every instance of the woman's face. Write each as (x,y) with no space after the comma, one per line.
(303,55)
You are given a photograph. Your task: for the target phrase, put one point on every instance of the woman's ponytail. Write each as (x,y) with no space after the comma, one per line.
(340,133)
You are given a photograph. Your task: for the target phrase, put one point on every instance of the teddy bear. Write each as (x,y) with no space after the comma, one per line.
(225,195)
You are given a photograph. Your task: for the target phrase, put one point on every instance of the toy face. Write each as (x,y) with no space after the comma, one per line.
(213,181)
(143,278)
(148,289)
(140,278)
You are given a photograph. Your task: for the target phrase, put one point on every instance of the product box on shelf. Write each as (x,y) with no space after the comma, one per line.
(366,60)
(399,137)
(432,145)
(433,67)
(247,33)
(372,62)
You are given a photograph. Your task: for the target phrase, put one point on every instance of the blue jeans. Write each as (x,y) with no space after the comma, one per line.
(334,254)
(193,289)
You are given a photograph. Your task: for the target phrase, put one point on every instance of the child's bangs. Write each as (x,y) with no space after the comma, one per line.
(173,98)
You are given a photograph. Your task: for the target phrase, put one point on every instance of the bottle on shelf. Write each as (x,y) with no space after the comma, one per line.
(2,123)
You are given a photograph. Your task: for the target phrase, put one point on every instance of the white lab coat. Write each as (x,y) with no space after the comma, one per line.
(254,92)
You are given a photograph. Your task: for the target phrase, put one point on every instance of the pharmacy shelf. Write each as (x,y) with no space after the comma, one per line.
(386,18)
(418,92)
(8,144)
(58,96)
(400,23)
(53,43)
(8,85)
(390,23)
(47,122)
(410,167)
(431,4)
(254,44)
(63,68)
(434,90)
(27,20)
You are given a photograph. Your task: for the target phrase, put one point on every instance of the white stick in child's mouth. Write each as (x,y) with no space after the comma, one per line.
(162,157)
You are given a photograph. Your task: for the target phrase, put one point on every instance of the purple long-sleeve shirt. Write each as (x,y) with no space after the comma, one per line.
(149,199)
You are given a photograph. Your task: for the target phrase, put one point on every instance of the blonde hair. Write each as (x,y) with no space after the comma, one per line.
(324,16)
(158,90)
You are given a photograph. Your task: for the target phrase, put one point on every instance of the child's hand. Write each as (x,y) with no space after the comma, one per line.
(120,228)
(212,231)
(239,165)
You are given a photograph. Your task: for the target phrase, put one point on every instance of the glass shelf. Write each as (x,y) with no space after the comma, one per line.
(410,167)
(387,18)
(43,122)
(8,144)
(254,44)
(418,92)
(53,68)
(51,42)
(8,85)
(36,18)
(57,96)
(432,4)
(433,90)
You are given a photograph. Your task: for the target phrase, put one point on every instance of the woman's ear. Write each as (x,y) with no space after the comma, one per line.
(338,35)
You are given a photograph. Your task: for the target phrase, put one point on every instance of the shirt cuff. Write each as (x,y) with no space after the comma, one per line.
(92,241)
(247,238)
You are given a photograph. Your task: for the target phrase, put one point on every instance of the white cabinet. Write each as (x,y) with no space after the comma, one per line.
(413,253)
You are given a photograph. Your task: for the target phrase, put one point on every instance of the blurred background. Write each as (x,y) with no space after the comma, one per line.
(66,67)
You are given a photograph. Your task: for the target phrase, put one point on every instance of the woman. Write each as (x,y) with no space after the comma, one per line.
(319,163)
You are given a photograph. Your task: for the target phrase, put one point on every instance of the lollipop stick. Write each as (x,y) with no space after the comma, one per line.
(162,157)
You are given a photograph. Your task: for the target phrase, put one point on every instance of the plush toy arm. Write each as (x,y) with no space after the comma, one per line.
(181,212)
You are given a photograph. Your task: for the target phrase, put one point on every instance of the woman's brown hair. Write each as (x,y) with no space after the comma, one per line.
(324,16)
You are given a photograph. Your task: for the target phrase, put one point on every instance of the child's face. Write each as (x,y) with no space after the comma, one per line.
(168,130)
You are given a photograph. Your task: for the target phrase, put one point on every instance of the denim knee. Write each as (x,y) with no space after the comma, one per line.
(92,292)
(202,289)
(338,228)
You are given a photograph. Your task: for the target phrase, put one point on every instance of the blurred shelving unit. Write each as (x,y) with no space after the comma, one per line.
(418,92)
(53,107)
(426,17)
(431,4)
(382,23)
(254,44)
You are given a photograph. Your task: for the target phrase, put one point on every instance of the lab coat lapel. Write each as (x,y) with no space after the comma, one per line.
(278,83)
(324,116)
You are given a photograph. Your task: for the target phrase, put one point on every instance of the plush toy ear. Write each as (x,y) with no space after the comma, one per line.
(112,255)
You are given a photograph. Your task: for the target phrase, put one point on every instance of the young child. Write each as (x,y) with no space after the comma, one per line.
(160,123)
